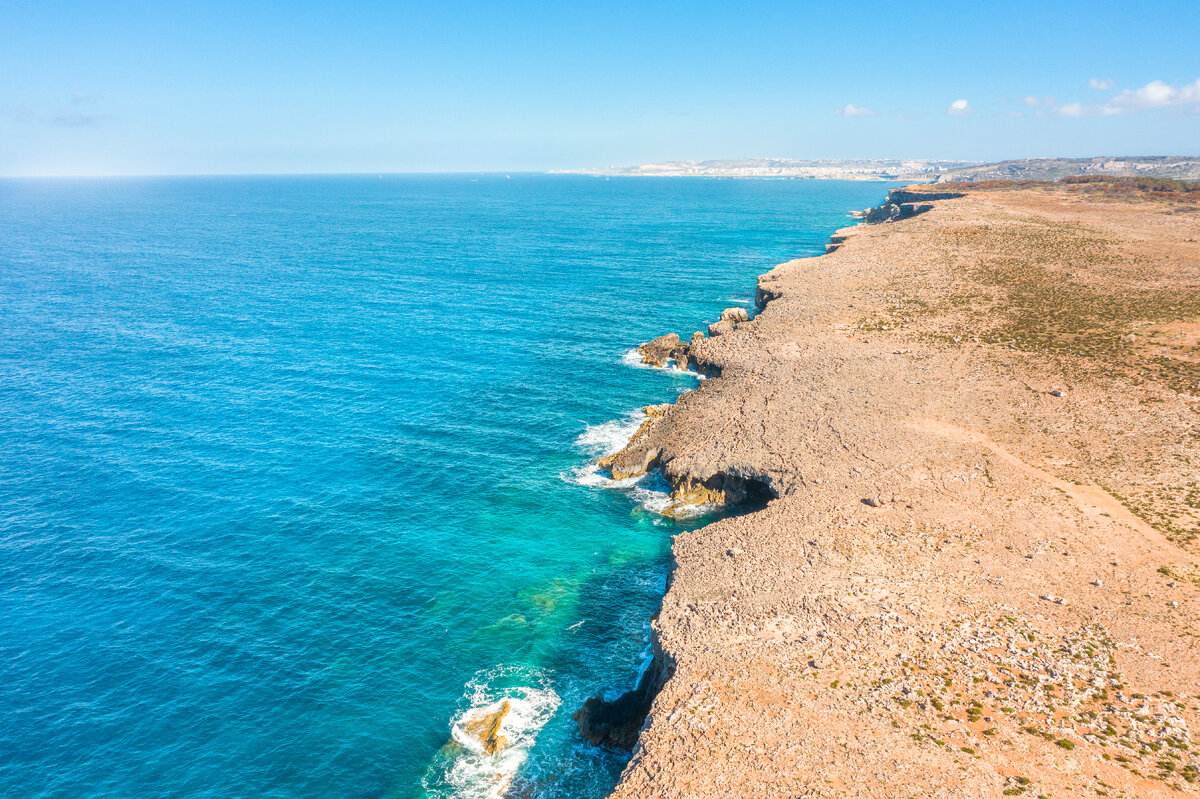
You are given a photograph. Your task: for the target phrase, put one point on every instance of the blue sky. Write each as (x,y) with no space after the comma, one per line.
(215,87)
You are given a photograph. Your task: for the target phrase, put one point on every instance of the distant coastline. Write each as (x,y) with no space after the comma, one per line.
(785,168)
(918,170)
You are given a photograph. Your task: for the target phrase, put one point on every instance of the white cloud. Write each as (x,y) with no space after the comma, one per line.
(1079,110)
(1101,84)
(1038,102)
(852,110)
(959,108)
(1156,94)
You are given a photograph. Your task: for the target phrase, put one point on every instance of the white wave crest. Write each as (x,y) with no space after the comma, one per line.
(600,440)
(610,437)
(634,358)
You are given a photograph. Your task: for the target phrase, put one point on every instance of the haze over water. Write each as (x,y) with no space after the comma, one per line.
(293,470)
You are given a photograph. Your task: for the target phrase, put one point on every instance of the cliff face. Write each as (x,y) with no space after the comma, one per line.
(974,574)
(618,723)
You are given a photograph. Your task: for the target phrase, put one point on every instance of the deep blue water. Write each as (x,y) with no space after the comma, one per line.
(293,470)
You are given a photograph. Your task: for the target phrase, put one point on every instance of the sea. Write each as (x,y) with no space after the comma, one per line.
(297,474)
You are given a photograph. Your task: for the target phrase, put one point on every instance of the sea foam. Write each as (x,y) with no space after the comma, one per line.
(465,768)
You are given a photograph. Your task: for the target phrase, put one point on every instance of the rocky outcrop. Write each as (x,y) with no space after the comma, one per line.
(721,490)
(888,212)
(891,212)
(653,411)
(664,349)
(900,204)
(618,723)
(639,455)
(730,319)
(486,729)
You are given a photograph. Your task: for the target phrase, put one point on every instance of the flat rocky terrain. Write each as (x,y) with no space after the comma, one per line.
(976,572)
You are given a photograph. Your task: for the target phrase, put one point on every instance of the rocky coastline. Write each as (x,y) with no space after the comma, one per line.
(969,559)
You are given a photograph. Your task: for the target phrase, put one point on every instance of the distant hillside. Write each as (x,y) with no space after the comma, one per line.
(1165,166)
(1157,166)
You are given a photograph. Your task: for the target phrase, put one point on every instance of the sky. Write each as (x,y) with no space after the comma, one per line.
(94,87)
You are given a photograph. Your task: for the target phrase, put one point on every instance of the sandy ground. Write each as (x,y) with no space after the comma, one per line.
(979,576)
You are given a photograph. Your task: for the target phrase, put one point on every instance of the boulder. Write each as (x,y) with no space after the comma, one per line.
(735,315)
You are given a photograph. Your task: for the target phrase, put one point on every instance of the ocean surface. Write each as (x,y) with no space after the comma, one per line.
(295,471)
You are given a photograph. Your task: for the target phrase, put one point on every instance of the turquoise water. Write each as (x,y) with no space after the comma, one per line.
(293,471)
